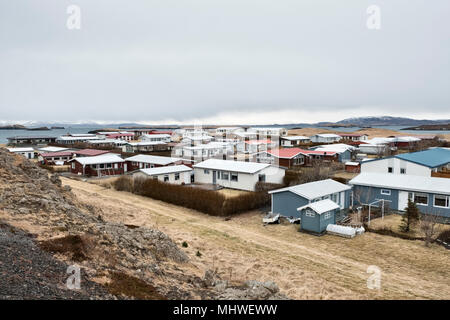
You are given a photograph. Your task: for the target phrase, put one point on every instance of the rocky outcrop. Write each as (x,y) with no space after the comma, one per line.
(76,232)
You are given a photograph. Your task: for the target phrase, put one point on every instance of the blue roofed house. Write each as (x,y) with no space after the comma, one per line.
(287,200)
(431,194)
(428,163)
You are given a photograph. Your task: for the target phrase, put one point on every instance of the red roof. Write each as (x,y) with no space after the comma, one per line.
(56,154)
(90,152)
(285,152)
(292,152)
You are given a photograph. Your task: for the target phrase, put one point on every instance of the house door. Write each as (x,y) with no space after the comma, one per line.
(402,200)
(125,167)
(342,200)
(214,177)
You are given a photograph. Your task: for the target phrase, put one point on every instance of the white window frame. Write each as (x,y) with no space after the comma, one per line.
(447,201)
(385,192)
(310,213)
(327,215)
(404,170)
(420,204)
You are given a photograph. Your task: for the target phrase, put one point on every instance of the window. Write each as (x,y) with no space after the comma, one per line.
(421,198)
(73,165)
(390,169)
(386,192)
(225,176)
(310,213)
(166,177)
(441,201)
(234,177)
(327,215)
(177,176)
(206,171)
(262,178)
(402,170)
(109,165)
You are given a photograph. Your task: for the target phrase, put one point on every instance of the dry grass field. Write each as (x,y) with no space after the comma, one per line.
(304,266)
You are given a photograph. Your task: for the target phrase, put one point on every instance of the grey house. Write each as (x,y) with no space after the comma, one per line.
(286,201)
(316,216)
(431,195)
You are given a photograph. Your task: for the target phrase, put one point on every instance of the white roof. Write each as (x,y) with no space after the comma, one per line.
(145,143)
(52,149)
(83,135)
(321,206)
(104,158)
(199,137)
(338,147)
(230,165)
(116,141)
(153,159)
(165,170)
(406,139)
(403,182)
(378,141)
(157,135)
(351,163)
(316,189)
(327,135)
(71,138)
(20,149)
(295,138)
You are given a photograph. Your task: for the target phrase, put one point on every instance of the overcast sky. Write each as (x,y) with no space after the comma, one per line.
(223,61)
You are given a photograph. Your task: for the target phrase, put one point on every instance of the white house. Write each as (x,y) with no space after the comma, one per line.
(26,152)
(143,146)
(269,131)
(196,140)
(228,130)
(254,146)
(422,163)
(325,138)
(236,174)
(156,138)
(292,141)
(205,151)
(143,161)
(179,174)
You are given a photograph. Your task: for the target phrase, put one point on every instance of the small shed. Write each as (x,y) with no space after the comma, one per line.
(316,216)
(179,174)
(353,167)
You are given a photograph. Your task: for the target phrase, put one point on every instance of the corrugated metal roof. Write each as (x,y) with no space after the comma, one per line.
(153,159)
(403,182)
(233,166)
(321,206)
(431,158)
(105,158)
(52,149)
(165,170)
(90,152)
(20,149)
(316,189)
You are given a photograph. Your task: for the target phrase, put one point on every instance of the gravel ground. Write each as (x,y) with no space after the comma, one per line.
(27,272)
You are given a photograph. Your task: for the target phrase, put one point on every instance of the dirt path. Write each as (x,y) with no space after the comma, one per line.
(304,266)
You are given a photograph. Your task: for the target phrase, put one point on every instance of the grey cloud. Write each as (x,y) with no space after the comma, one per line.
(156,60)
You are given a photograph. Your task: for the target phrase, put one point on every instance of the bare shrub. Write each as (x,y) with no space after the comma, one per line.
(206,201)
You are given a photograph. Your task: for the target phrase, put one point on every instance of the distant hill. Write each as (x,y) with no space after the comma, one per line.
(388,121)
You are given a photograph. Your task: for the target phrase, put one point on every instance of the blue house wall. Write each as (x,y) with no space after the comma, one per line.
(366,195)
(286,203)
(318,223)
